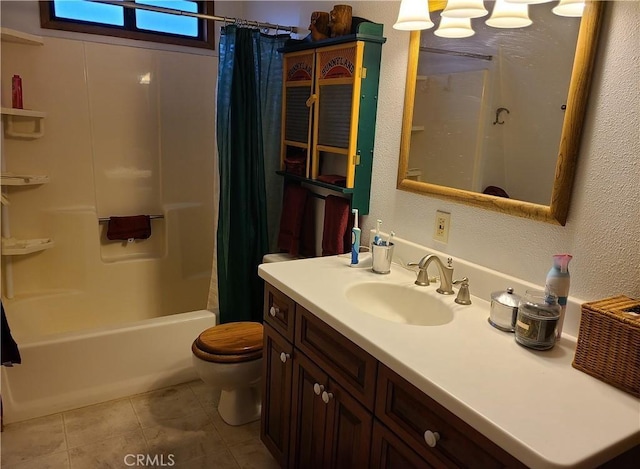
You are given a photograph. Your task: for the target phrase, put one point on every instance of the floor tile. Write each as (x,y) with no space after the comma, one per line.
(253,455)
(218,460)
(165,404)
(233,435)
(186,438)
(109,453)
(208,397)
(98,422)
(32,439)
(51,461)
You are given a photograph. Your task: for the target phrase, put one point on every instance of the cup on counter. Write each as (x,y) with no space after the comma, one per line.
(382,256)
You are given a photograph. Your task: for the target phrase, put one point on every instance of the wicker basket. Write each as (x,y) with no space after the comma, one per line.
(609,342)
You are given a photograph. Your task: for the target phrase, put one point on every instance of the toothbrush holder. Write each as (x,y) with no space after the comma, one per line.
(382,256)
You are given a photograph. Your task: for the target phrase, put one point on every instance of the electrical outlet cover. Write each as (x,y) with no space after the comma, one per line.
(443,222)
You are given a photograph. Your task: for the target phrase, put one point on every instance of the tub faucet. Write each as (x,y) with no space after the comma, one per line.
(446,273)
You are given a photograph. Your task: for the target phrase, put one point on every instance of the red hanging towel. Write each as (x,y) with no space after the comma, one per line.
(125,228)
(336,222)
(293,204)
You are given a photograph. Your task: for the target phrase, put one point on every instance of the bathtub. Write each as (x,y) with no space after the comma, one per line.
(67,370)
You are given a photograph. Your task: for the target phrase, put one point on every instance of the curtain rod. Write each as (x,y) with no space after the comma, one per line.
(454,52)
(173,11)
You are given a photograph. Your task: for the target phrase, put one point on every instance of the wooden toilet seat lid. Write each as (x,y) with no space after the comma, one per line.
(234,341)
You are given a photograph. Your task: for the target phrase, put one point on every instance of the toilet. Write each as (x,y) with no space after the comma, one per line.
(229,357)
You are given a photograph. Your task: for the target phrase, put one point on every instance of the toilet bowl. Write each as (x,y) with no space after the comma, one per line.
(229,357)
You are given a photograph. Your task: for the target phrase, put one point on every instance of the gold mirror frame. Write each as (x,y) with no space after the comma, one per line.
(558,209)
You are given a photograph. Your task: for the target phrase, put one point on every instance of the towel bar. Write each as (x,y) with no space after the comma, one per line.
(106,220)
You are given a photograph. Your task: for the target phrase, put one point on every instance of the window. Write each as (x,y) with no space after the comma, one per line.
(84,16)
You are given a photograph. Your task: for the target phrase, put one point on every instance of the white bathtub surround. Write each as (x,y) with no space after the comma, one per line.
(533,404)
(74,369)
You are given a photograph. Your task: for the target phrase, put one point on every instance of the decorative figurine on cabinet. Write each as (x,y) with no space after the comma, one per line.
(340,20)
(319,26)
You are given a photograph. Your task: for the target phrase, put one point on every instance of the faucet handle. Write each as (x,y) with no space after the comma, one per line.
(423,277)
(464,297)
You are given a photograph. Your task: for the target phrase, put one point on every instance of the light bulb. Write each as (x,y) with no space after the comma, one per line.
(464,9)
(571,8)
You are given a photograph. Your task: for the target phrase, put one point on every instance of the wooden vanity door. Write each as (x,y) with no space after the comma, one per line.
(276,394)
(309,415)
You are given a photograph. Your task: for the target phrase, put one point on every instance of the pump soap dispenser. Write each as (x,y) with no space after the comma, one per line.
(557,283)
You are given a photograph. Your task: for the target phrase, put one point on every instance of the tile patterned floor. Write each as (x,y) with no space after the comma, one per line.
(179,426)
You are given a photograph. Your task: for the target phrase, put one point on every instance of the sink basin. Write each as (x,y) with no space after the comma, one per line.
(405,304)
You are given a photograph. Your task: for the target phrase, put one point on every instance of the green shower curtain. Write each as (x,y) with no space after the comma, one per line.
(248,107)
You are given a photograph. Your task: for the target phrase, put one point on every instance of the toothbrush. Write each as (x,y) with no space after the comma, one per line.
(376,239)
(355,238)
(391,235)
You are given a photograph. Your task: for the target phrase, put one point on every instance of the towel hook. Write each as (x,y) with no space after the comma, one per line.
(498,112)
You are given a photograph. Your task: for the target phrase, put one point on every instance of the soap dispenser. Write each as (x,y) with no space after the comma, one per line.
(557,283)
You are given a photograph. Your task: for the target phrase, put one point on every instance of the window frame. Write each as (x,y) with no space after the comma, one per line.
(48,20)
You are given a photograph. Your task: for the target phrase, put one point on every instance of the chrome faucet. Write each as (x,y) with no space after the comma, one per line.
(446,273)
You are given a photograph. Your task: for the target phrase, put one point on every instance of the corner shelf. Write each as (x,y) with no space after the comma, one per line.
(417,128)
(10,179)
(18,37)
(17,247)
(12,114)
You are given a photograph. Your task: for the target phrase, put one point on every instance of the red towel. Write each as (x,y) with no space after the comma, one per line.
(124,228)
(293,204)
(336,221)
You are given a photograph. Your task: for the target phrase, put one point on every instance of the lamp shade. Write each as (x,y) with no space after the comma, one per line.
(464,9)
(454,28)
(413,16)
(509,15)
(529,2)
(573,8)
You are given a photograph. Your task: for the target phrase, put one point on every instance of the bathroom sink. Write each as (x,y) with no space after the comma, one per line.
(406,304)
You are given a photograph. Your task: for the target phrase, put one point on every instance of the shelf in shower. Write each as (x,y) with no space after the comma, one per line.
(417,128)
(10,179)
(14,117)
(19,37)
(17,247)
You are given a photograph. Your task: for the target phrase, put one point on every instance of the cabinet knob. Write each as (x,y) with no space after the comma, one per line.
(326,396)
(273,311)
(431,438)
(284,357)
(318,388)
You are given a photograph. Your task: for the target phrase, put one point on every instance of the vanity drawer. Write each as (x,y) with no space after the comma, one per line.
(350,366)
(410,413)
(279,311)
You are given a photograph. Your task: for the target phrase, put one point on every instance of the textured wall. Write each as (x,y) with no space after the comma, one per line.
(603,229)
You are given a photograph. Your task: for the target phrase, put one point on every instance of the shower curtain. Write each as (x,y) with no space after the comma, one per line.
(248,135)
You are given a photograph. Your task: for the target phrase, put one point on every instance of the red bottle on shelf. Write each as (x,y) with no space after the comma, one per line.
(16,92)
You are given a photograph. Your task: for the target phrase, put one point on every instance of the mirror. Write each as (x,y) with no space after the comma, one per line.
(494,120)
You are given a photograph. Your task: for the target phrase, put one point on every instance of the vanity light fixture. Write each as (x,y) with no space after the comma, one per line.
(529,2)
(454,28)
(506,14)
(464,9)
(413,16)
(571,8)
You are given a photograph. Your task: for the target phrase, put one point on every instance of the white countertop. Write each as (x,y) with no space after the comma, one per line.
(533,404)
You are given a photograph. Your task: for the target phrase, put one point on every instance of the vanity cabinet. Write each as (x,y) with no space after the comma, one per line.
(327,403)
(329,103)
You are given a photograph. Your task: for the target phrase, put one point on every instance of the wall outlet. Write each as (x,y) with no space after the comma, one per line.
(443,222)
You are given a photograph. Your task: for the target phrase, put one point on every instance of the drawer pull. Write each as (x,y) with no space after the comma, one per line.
(318,388)
(284,357)
(326,396)
(273,311)
(431,438)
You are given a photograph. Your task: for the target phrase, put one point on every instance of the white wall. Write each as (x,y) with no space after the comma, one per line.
(603,229)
